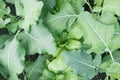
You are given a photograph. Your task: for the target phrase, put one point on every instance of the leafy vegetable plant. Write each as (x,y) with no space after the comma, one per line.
(59,39)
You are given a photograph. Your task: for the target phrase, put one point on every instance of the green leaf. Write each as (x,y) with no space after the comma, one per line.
(115,42)
(12,27)
(3,38)
(30,12)
(78,5)
(50,4)
(34,69)
(73,44)
(60,77)
(3,23)
(114,70)
(3,9)
(98,2)
(109,18)
(116,56)
(80,62)
(47,75)
(71,76)
(59,3)
(10,58)
(97,61)
(111,68)
(75,31)
(57,64)
(38,40)
(59,21)
(113,6)
(96,33)
(3,71)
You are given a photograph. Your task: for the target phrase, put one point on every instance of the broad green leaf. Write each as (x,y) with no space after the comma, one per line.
(113,70)
(109,18)
(59,21)
(57,64)
(10,58)
(38,40)
(30,12)
(113,6)
(80,62)
(115,42)
(100,36)
(3,9)
(34,69)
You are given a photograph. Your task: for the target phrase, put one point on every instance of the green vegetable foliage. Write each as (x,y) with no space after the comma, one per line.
(59,39)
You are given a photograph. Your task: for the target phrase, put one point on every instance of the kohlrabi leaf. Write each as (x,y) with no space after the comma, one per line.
(71,76)
(116,56)
(38,40)
(11,59)
(57,64)
(97,60)
(3,38)
(96,33)
(113,70)
(109,18)
(3,9)
(3,71)
(73,44)
(47,75)
(59,21)
(29,12)
(113,6)
(75,31)
(50,4)
(34,69)
(3,23)
(80,62)
(98,2)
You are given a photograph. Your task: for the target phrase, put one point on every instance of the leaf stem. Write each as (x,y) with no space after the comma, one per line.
(64,16)
(110,54)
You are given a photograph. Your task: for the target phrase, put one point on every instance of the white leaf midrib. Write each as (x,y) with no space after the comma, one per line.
(10,50)
(63,16)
